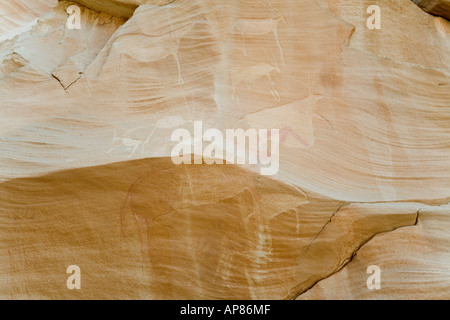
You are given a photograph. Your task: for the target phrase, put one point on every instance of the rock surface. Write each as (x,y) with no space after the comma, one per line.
(436,7)
(86,118)
(415,263)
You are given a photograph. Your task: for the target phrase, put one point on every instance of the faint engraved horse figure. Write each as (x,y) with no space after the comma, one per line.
(160,46)
(260,27)
(306,110)
(249,74)
(294,120)
(130,143)
(157,194)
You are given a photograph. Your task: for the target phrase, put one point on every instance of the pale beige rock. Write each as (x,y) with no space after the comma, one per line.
(17,16)
(86,118)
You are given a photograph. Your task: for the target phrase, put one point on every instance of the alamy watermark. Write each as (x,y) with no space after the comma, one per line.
(374,21)
(374,281)
(74,20)
(231,148)
(74,280)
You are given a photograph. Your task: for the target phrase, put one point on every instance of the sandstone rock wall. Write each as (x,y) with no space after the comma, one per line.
(86,118)
(436,7)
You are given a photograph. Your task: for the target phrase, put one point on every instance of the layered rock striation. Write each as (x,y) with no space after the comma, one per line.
(87,179)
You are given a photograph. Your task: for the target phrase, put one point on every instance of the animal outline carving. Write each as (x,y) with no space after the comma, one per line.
(161,46)
(294,119)
(148,202)
(130,143)
(259,27)
(250,74)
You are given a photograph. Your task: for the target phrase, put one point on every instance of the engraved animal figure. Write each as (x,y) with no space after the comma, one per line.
(260,27)
(161,196)
(157,47)
(295,120)
(148,200)
(130,143)
(249,74)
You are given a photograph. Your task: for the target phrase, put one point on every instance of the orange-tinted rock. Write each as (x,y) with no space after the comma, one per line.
(436,7)
(86,119)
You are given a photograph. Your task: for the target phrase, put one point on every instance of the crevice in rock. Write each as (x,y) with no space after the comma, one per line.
(119,9)
(53,76)
(327,223)
(354,253)
(65,87)
(368,240)
(439,8)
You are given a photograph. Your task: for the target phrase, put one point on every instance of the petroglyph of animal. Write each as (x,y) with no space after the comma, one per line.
(129,143)
(157,47)
(260,27)
(249,74)
(179,195)
(295,121)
